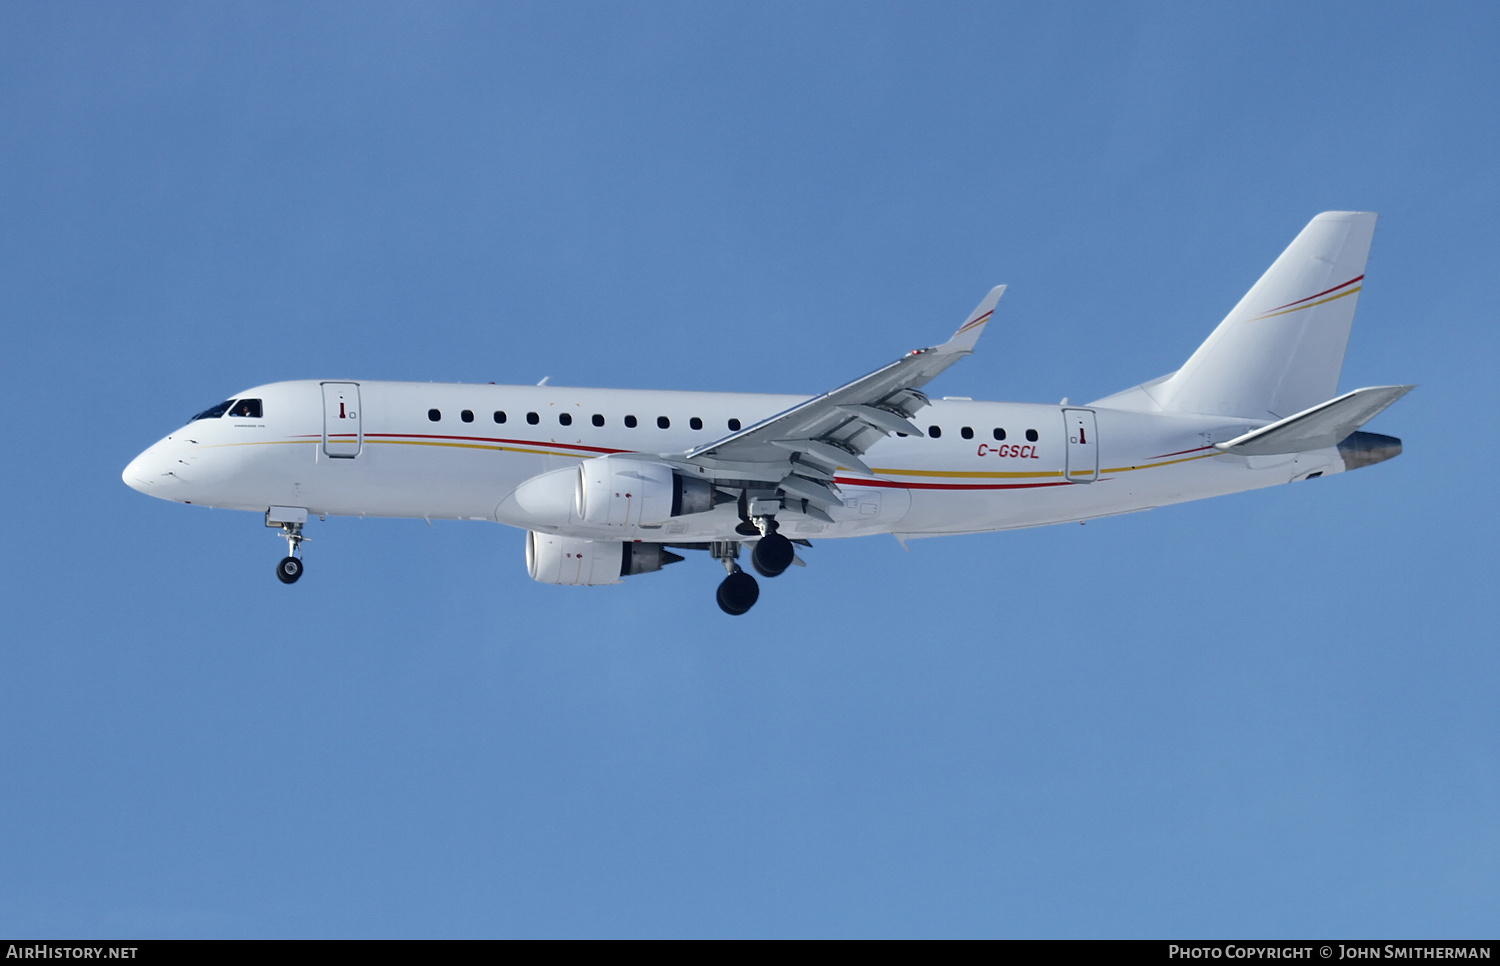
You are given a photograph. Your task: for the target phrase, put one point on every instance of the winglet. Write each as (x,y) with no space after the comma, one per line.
(963,340)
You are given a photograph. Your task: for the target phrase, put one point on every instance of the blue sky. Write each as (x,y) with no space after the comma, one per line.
(1271,714)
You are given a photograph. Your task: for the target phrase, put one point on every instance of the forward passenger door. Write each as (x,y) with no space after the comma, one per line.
(342,436)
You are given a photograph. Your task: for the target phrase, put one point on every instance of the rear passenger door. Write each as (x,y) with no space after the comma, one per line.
(1083,445)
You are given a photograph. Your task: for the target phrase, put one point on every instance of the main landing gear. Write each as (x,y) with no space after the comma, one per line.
(739,591)
(770,557)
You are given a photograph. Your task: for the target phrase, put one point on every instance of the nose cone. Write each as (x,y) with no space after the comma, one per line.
(152,473)
(137,476)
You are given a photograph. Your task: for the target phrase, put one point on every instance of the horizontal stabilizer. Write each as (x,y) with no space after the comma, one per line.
(1326,424)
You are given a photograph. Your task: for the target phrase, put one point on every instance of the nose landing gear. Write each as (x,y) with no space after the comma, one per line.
(290,567)
(290,519)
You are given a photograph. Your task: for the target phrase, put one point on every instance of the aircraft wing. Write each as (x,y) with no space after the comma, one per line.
(803,446)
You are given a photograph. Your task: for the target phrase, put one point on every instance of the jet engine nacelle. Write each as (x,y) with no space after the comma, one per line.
(611,493)
(617,492)
(576,562)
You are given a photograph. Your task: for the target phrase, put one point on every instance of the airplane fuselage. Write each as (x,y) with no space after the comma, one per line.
(455,451)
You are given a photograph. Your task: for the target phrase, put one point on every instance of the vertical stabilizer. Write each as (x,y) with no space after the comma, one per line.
(1281,349)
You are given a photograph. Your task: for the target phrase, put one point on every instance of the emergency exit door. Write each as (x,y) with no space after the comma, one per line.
(342,436)
(1083,445)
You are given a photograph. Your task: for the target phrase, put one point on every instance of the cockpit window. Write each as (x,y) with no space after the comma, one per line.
(246,409)
(216,411)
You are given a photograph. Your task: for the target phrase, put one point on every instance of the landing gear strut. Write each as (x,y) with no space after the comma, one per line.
(290,567)
(739,591)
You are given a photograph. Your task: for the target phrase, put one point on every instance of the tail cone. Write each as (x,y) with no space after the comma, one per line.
(1367,449)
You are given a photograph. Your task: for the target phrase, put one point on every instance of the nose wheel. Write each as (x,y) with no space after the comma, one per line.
(289,569)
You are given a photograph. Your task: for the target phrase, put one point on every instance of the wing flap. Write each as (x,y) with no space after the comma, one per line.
(883,419)
(824,452)
(805,489)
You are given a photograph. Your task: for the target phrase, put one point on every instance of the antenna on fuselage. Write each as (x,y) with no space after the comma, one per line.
(544,380)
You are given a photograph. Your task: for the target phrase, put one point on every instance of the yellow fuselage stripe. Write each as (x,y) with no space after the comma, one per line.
(879,470)
(965,474)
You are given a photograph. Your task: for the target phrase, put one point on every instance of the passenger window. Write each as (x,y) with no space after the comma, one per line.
(533,418)
(663,422)
(499,415)
(565,418)
(467,415)
(934,432)
(630,422)
(246,409)
(999,433)
(967,432)
(214,412)
(695,423)
(434,414)
(1031,436)
(734,425)
(598,420)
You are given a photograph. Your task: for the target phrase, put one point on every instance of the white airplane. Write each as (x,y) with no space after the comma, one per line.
(609,482)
